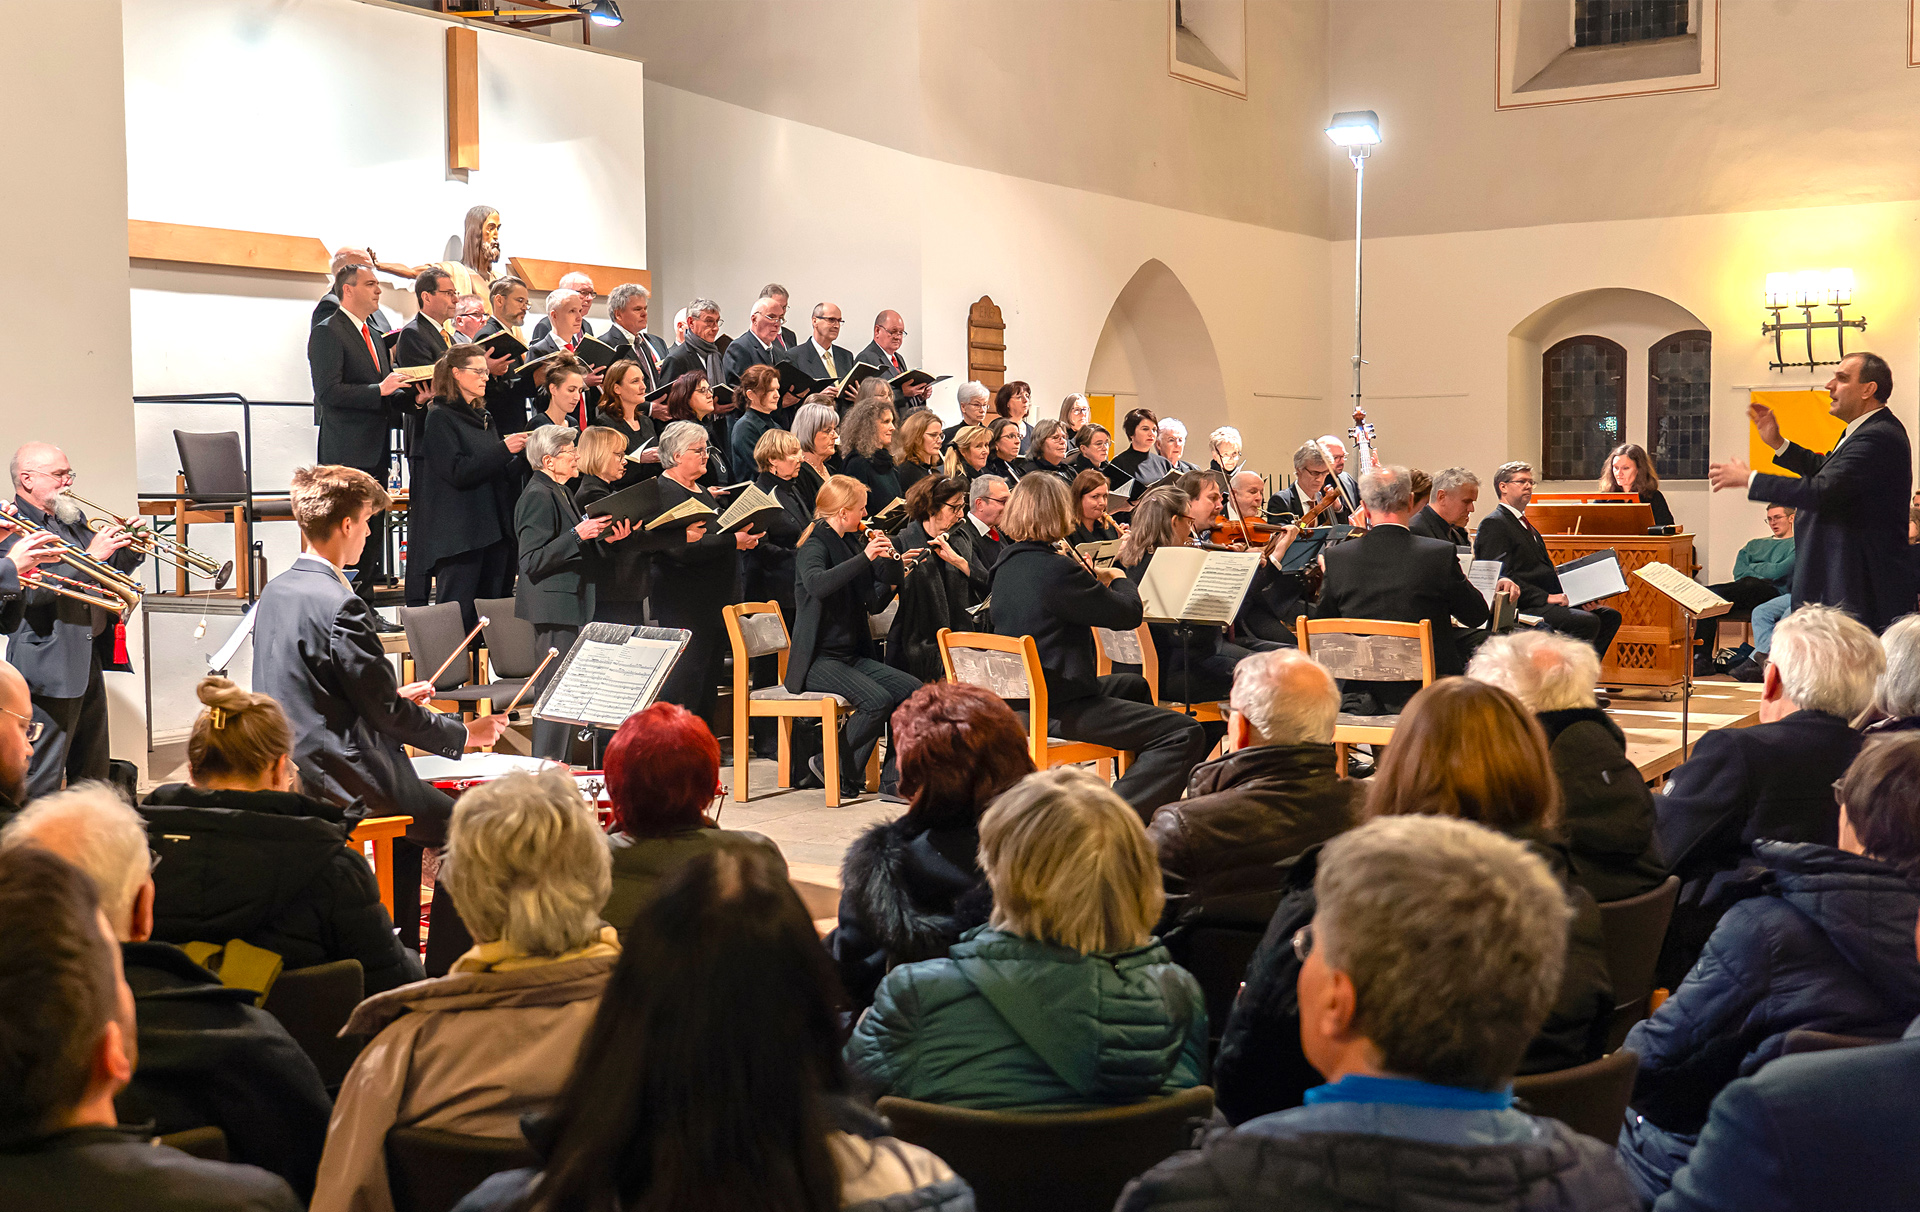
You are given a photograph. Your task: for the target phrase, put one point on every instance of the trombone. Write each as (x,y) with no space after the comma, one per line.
(115,582)
(150,542)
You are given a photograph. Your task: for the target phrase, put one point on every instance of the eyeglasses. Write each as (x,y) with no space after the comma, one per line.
(153,860)
(894,332)
(65,474)
(482,371)
(448,291)
(35,727)
(1303,942)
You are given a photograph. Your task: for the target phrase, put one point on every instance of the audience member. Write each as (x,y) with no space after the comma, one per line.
(1462,749)
(207,1056)
(1823,939)
(1431,961)
(712,1077)
(67,1048)
(1762,571)
(1773,780)
(16,751)
(1896,699)
(663,773)
(471,1051)
(1064,999)
(1224,850)
(247,857)
(910,887)
(1605,806)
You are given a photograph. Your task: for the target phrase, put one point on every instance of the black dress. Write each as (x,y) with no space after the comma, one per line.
(1662,514)
(691,582)
(637,435)
(809,482)
(461,520)
(1038,463)
(910,473)
(1010,472)
(620,588)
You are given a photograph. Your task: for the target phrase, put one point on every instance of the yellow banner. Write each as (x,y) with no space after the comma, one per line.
(1803,419)
(1101,410)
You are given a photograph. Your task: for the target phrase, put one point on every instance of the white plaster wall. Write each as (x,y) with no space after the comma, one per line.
(66,223)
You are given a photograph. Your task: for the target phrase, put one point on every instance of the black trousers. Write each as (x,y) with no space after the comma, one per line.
(370,568)
(627,614)
(551,739)
(485,573)
(1745,594)
(1596,626)
(875,690)
(695,680)
(1166,744)
(73,741)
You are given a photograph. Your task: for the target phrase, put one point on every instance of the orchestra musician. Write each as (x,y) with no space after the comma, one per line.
(1047,451)
(916,447)
(560,559)
(936,590)
(1203,502)
(464,489)
(1091,524)
(1013,401)
(1630,469)
(817,428)
(1244,490)
(695,580)
(868,438)
(1506,535)
(968,449)
(1337,451)
(1445,515)
(1039,590)
(843,575)
(1003,445)
(1310,472)
(316,653)
(61,645)
(1140,427)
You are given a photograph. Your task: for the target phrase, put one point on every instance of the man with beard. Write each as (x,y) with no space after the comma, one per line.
(56,642)
(479,249)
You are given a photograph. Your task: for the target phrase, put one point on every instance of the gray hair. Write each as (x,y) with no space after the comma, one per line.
(810,420)
(678,438)
(624,294)
(1453,479)
(774,290)
(90,826)
(1828,660)
(973,389)
(1288,697)
(1173,425)
(577,277)
(1546,672)
(1226,433)
(982,485)
(1899,694)
(1454,937)
(1244,474)
(701,307)
(547,441)
(1307,455)
(1387,489)
(527,863)
(557,297)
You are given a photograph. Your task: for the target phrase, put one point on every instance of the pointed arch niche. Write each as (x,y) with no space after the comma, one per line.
(1635,320)
(1155,352)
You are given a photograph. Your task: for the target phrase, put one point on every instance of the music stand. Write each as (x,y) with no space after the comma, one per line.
(611,672)
(1695,601)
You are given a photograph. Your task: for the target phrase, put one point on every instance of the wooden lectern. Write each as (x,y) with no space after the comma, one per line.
(1655,645)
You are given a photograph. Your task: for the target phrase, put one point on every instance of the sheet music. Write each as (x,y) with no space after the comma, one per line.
(604,682)
(1482,574)
(1220,586)
(1693,597)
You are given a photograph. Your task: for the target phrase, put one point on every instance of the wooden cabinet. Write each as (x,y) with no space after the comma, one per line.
(1654,643)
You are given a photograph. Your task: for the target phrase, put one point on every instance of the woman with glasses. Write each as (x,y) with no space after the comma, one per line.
(693,581)
(464,489)
(691,398)
(817,428)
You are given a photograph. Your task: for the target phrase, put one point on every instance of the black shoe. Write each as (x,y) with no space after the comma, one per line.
(1749,671)
(1705,667)
(817,767)
(381,625)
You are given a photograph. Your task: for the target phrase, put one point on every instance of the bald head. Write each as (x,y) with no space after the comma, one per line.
(889,330)
(580,283)
(1248,491)
(16,713)
(40,470)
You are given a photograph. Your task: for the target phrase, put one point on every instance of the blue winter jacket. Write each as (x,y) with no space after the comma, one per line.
(1825,943)
(1007,1022)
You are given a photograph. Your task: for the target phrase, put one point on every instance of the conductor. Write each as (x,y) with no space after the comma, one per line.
(1853,500)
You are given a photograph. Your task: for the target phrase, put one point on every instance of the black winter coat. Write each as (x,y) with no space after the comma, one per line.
(109,1169)
(1606,808)
(906,895)
(272,868)
(557,566)
(1053,598)
(210,1057)
(835,582)
(1260,1067)
(464,485)
(933,594)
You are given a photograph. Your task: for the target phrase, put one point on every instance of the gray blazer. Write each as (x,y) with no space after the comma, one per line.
(556,566)
(50,637)
(315,651)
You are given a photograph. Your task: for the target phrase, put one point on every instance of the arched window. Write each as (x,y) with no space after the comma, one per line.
(1679,396)
(1583,395)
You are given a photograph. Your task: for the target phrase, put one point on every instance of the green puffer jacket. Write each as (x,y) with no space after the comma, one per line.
(1008,1022)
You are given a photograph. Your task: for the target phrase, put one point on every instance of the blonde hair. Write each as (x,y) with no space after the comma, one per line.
(527,863)
(1039,510)
(775,444)
(599,447)
(325,496)
(963,437)
(1070,864)
(838,493)
(240,734)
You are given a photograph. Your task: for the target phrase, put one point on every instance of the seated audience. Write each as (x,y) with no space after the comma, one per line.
(663,773)
(1822,939)
(1224,849)
(207,1056)
(712,1076)
(1773,780)
(1896,699)
(909,887)
(1762,571)
(867,439)
(67,1048)
(472,1051)
(916,448)
(935,592)
(1064,999)
(1462,749)
(1430,962)
(1605,806)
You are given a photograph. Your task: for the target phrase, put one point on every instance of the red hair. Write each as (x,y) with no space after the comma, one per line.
(663,771)
(959,746)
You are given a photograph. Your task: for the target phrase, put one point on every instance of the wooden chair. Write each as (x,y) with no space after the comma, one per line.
(1136,648)
(1589,1098)
(1074,1161)
(756,629)
(1632,932)
(313,1004)
(431,1171)
(1368,650)
(1009,666)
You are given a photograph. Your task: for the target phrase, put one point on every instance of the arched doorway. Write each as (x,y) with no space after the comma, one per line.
(1155,352)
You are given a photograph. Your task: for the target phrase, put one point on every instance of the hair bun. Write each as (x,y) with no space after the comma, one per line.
(221,693)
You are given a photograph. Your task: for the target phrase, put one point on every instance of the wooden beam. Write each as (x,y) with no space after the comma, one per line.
(545,275)
(225,246)
(463,98)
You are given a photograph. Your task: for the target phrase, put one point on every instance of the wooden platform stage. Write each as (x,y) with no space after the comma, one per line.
(1652,723)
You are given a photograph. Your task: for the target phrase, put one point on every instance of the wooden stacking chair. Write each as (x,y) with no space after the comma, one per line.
(1368,650)
(1009,666)
(1632,933)
(756,629)
(1136,648)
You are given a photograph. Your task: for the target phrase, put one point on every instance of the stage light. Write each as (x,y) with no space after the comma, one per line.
(1355,128)
(602,12)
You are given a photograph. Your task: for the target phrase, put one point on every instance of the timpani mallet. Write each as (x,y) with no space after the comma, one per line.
(484,620)
(551,653)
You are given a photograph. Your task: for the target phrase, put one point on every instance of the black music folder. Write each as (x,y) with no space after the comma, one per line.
(595,352)
(793,379)
(502,344)
(916,378)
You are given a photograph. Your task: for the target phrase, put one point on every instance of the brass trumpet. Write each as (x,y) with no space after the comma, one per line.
(149,542)
(115,582)
(67,587)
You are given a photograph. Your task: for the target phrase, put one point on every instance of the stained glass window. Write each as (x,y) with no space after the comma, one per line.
(1583,388)
(1679,399)
(1612,22)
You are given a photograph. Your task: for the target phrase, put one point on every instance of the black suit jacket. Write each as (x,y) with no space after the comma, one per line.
(832,574)
(1851,536)
(1290,500)
(684,358)
(1522,553)
(650,351)
(356,421)
(1053,598)
(1391,573)
(316,653)
(892,364)
(745,351)
(506,394)
(982,554)
(1431,525)
(421,343)
(557,566)
(807,358)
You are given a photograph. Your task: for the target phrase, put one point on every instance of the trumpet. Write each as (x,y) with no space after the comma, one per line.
(115,582)
(67,587)
(149,542)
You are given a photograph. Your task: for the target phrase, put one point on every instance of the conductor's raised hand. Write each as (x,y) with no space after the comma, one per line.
(1765,422)
(107,540)
(593,528)
(1731,474)
(417,692)
(484,730)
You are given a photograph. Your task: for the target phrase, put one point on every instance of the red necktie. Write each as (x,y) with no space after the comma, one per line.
(371,352)
(897,363)
(993,532)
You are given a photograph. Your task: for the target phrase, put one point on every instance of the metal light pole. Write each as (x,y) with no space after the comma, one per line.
(1358,131)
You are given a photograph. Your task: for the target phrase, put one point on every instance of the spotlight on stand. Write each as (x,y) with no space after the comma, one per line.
(602,12)
(1358,131)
